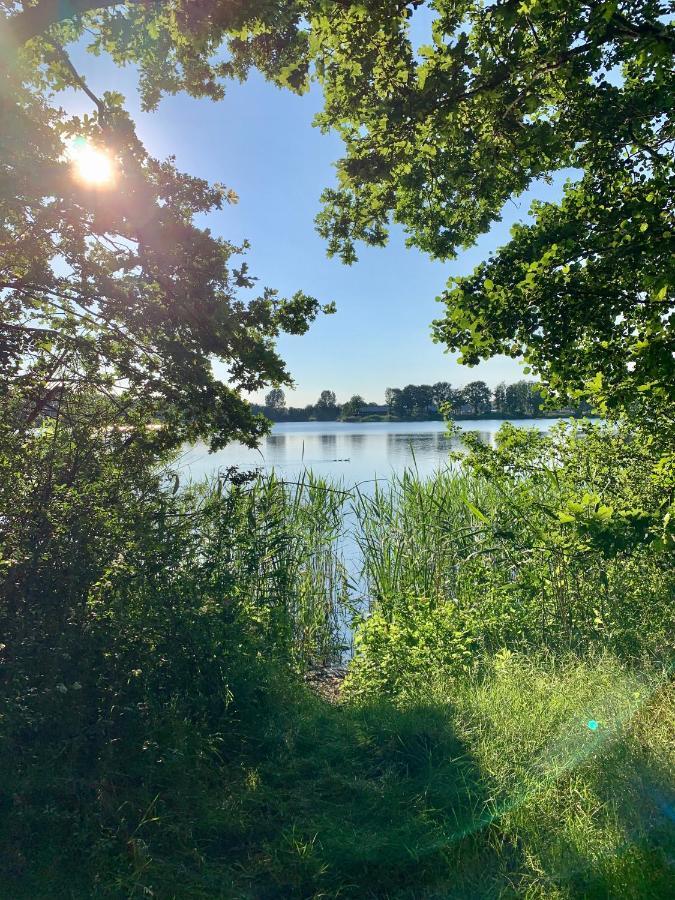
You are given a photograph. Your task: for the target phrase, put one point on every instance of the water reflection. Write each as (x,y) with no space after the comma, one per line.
(328,442)
(275,442)
(358,440)
(413,447)
(347,452)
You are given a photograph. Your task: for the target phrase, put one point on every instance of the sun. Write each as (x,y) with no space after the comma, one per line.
(92,165)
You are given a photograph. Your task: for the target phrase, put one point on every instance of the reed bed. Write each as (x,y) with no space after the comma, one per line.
(318,555)
(414,534)
(281,545)
(326,556)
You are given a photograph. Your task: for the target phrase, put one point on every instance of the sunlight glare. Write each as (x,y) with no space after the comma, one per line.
(92,165)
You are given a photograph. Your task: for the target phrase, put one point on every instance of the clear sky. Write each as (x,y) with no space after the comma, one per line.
(260,142)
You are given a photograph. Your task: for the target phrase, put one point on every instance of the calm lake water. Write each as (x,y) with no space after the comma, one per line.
(348,452)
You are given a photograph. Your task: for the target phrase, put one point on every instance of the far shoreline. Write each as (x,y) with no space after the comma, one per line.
(462,417)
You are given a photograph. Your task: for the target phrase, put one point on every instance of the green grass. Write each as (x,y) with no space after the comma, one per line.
(166,746)
(473,788)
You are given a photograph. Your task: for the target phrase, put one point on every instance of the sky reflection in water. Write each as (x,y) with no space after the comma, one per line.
(351,453)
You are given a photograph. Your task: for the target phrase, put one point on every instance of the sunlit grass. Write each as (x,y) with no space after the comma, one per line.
(487,787)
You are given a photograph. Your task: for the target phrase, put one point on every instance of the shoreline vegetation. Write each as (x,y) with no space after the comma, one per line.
(193,730)
(457,417)
(419,403)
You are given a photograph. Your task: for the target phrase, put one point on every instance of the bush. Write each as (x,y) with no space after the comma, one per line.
(553,543)
(411,639)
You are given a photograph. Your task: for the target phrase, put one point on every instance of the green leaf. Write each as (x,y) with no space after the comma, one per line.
(476,512)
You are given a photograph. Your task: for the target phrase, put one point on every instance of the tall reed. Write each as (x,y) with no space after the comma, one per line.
(280,542)
(415,534)
(309,555)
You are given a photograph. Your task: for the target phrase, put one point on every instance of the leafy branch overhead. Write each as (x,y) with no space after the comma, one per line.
(440,135)
(112,286)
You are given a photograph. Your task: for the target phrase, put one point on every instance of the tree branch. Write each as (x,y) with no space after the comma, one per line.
(65,59)
(34,20)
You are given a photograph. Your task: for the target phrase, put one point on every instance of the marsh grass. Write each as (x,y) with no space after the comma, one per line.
(414,534)
(280,543)
(484,554)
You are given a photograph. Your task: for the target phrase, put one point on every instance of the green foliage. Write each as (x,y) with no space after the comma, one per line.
(561,541)
(582,488)
(326,407)
(129,607)
(426,402)
(156,737)
(113,286)
(155,731)
(583,294)
(523,397)
(353,406)
(477,395)
(439,137)
(275,400)
(407,638)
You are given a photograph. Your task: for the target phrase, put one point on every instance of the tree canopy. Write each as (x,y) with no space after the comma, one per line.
(109,284)
(353,406)
(439,137)
(275,399)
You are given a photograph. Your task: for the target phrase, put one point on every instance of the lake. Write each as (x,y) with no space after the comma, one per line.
(348,452)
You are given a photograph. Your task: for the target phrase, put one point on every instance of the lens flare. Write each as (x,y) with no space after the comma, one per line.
(91,164)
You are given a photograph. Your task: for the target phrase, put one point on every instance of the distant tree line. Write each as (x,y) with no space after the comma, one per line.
(423,401)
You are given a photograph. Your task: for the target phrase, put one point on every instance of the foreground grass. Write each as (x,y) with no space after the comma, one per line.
(479,787)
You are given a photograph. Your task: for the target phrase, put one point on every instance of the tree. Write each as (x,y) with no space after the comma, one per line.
(478,396)
(441,393)
(326,407)
(504,94)
(537,400)
(415,400)
(457,400)
(583,295)
(353,406)
(390,397)
(106,282)
(512,95)
(395,401)
(499,395)
(406,401)
(275,400)
(327,399)
(425,400)
(438,138)
(522,398)
(517,399)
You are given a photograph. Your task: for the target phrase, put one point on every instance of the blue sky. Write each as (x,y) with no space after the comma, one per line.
(260,141)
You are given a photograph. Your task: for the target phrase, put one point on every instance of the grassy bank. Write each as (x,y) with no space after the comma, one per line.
(504,730)
(489,786)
